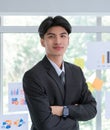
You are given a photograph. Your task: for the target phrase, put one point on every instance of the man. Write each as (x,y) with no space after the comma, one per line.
(55,104)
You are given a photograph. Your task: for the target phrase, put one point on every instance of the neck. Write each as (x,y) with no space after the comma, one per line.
(57,60)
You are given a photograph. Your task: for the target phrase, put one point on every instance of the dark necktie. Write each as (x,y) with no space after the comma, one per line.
(62,77)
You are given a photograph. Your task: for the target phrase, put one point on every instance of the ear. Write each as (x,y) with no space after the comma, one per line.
(42,42)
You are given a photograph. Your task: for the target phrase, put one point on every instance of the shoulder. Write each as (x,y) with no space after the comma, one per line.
(34,70)
(72,66)
(39,69)
(75,71)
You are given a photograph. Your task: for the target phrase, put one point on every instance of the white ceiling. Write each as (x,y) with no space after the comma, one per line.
(54,7)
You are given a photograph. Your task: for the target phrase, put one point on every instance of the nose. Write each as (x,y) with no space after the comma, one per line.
(57,40)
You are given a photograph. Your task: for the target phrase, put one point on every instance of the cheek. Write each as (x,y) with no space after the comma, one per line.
(47,47)
(44,44)
(67,43)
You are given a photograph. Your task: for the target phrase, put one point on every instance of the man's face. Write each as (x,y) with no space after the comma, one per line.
(55,41)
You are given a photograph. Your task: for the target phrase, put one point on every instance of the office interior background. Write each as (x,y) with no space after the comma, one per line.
(20,47)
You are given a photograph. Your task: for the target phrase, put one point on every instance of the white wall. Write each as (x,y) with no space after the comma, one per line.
(54,6)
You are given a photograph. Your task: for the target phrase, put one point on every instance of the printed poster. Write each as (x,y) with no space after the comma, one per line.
(16,97)
(14,122)
(98,55)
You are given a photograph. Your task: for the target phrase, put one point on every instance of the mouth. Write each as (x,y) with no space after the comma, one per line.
(58,48)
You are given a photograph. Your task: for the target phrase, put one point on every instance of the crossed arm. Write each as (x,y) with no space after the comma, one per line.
(57,110)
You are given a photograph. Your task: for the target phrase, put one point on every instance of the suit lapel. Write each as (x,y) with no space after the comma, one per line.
(53,74)
(55,77)
(68,80)
(69,83)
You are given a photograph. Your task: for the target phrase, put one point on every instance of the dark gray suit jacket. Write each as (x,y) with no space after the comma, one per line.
(43,89)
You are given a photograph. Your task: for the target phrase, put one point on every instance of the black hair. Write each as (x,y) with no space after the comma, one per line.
(50,22)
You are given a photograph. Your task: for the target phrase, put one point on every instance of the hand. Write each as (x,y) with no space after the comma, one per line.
(57,110)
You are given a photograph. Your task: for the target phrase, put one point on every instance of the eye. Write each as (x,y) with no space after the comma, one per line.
(51,36)
(63,36)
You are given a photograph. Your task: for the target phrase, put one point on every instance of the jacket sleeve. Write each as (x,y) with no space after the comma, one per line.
(39,108)
(87,107)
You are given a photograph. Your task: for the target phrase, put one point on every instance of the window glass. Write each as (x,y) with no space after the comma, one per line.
(106,20)
(105,75)
(22,20)
(20,52)
(106,37)
(79,41)
(82,20)
(36,20)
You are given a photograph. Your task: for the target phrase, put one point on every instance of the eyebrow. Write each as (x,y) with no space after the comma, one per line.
(55,34)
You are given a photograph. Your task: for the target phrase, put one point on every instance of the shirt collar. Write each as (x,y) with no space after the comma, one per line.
(58,70)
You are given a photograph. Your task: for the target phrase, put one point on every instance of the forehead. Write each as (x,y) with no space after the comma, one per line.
(56,30)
